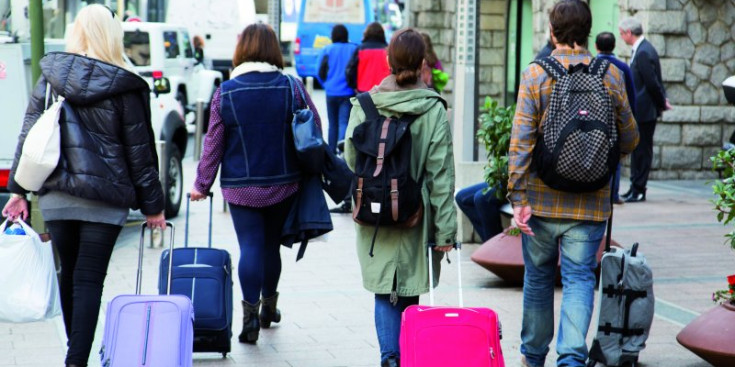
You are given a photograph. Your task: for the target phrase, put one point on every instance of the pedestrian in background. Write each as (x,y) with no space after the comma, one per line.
(559,223)
(432,73)
(198,42)
(368,65)
(481,205)
(605,44)
(650,103)
(108,165)
(250,137)
(332,62)
(398,270)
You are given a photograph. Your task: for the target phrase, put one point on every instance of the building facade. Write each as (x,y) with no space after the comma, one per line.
(694,38)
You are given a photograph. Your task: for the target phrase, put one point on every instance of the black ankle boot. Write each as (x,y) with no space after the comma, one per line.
(391,362)
(250,323)
(269,313)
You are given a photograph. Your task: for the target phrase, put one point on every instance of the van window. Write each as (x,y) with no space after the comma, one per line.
(171,43)
(138,47)
(334,11)
(188,51)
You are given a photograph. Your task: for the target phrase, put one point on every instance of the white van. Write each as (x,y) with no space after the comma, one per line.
(218,22)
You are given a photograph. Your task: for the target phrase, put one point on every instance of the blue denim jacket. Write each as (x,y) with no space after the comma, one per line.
(257,114)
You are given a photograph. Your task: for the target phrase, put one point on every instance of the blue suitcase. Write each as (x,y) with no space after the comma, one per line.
(204,274)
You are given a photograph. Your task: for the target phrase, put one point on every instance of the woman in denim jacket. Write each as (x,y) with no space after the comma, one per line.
(250,137)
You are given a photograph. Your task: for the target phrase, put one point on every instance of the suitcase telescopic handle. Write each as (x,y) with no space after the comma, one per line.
(430,249)
(139,278)
(186,228)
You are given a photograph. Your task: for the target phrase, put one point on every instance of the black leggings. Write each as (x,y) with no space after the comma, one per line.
(85,249)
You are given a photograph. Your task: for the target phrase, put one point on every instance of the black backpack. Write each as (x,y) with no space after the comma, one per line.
(578,150)
(384,194)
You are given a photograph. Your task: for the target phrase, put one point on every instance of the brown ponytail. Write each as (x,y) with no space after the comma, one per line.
(406,56)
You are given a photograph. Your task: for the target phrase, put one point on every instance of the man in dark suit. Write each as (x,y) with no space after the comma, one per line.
(650,103)
(605,44)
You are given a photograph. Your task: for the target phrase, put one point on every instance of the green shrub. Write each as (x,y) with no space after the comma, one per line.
(724,189)
(494,134)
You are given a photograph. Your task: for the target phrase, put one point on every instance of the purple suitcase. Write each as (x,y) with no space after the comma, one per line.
(148,330)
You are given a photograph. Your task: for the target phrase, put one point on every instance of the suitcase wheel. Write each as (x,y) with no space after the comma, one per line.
(224,355)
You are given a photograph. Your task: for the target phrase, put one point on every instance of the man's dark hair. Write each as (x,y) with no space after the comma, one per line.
(605,42)
(374,32)
(571,21)
(339,34)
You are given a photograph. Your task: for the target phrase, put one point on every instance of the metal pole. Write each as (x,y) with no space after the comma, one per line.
(35,17)
(274,16)
(465,101)
(156,235)
(310,85)
(199,129)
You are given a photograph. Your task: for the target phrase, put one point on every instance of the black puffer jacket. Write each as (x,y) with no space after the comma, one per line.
(108,152)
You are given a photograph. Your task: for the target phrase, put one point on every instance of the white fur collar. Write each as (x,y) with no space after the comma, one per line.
(249,67)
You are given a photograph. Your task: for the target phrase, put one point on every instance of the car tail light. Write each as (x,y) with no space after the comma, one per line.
(297,46)
(4,175)
(157,74)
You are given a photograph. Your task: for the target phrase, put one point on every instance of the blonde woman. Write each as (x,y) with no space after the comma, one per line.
(108,165)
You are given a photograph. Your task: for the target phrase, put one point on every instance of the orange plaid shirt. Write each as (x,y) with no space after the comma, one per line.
(524,186)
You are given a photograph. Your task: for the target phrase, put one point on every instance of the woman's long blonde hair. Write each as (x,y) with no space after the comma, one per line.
(97,33)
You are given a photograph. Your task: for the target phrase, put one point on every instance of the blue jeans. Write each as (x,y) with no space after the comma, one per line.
(483,209)
(338,112)
(388,323)
(259,235)
(579,241)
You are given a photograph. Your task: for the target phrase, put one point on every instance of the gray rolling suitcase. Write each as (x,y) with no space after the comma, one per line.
(625,306)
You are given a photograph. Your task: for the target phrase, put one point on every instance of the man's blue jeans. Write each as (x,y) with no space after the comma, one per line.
(388,323)
(338,112)
(578,241)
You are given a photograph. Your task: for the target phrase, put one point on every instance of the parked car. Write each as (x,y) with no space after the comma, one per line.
(169,126)
(166,50)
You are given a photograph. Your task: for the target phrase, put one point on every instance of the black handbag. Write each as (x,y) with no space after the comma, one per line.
(307,136)
(336,177)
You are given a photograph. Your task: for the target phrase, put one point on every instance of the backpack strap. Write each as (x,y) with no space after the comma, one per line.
(367,104)
(598,66)
(552,67)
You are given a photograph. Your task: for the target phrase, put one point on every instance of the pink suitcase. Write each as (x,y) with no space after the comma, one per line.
(439,336)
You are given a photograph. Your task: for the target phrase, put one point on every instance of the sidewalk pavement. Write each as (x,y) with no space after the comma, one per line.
(328,317)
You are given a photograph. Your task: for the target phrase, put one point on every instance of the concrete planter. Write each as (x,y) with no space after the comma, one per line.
(710,336)
(503,256)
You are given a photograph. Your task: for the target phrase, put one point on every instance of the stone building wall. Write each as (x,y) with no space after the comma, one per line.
(694,38)
(438,19)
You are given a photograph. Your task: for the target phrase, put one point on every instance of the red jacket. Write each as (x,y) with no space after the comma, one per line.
(368,66)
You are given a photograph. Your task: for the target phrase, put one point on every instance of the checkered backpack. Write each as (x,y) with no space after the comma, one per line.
(577,149)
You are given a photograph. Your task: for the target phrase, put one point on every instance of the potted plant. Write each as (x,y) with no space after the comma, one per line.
(494,134)
(710,335)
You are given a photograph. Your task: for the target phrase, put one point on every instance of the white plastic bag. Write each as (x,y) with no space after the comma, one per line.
(29,290)
(42,147)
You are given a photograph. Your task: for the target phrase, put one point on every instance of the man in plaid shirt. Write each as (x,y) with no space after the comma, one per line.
(551,219)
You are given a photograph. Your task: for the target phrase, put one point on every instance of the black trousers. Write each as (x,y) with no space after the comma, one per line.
(85,249)
(642,157)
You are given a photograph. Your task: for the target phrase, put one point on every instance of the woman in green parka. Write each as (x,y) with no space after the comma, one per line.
(397,271)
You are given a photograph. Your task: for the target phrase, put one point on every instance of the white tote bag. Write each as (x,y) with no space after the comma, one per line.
(30,290)
(42,147)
